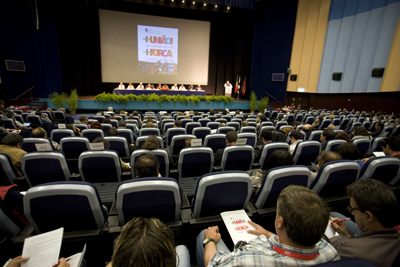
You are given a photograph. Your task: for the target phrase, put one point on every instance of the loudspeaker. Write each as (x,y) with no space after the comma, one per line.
(337,76)
(293,77)
(377,72)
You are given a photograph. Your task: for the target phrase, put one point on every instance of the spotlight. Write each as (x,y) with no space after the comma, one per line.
(193,3)
(216,6)
(183,1)
(229,7)
(205,4)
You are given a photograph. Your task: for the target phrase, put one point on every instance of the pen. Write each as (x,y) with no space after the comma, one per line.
(341,220)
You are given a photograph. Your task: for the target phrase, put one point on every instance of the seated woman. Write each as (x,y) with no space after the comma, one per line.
(130,86)
(191,87)
(152,143)
(351,152)
(148,242)
(76,130)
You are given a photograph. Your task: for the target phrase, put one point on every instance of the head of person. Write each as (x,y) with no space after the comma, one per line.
(187,116)
(150,124)
(245,123)
(348,151)
(10,115)
(224,112)
(102,140)
(279,158)
(111,108)
(306,128)
(373,204)
(14,140)
(390,145)
(96,125)
(379,126)
(301,215)
(144,242)
(287,130)
(295,136)
(151,143)
(222,124)
(122,123)
(231,137)
(177,123)
(39,132)
(83,119)
(360,130)
(263,118)
(327,135)
(344,136)
(106,120)
(327,156)
(331,127)
(147,165)
(180,113)
(188,142)
(237,112)
(266,136)
(112,132)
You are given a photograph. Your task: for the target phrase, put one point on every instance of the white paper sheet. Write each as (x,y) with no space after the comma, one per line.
(237,224)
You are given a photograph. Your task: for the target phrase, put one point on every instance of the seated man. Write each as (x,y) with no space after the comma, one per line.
(295,138)
(19,125)
(266,137)
(11,145)
(373,236)
(39,132)
(378,129)
(83,119)
(326,135)
(231,138)
(147,165)
(301,220)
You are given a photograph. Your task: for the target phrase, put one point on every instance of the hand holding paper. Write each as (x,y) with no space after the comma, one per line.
(259,230)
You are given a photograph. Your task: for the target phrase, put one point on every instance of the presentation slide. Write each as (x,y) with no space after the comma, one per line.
(151,49)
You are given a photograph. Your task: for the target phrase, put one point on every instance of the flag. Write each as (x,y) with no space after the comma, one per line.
(236,88)
(244,86)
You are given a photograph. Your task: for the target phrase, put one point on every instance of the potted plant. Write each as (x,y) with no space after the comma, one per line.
(253,102)
(72,102)
(58,99)
(262,104)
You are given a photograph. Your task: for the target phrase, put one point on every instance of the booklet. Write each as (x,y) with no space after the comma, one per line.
(237,224)
(44,250)
(330,231)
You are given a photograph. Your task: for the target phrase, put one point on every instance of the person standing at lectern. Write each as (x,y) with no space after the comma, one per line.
(130,86)
(140,86)
(228,88)
(121,86)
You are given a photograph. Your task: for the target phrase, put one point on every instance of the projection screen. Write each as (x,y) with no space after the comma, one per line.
(151,49)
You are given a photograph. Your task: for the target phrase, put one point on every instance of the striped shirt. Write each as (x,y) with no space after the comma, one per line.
(259,252)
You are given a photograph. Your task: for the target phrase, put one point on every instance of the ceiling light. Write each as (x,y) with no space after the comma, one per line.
(216,5)
(229,7)
(205,4)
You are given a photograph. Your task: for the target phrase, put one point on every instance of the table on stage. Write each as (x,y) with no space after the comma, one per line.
(157,92)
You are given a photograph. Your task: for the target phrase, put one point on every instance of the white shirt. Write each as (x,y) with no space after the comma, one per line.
(182,88)
(121,86)
(228,87)
(140,87)
(174,87)
(130,87)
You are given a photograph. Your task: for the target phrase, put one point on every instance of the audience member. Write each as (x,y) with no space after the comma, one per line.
(231,138)
(361,132)
(153,143)
(76,130)
(148,242)
(373,235)
(301,220)
(344,136)
(350,151)
(266,137)
(11,145)
(325,157)
(83,119)
(177,124)
(378,129)
(307,129)
(326,135)
(147,165)
(19,125)
(295,138)
(96,125)
(39,132)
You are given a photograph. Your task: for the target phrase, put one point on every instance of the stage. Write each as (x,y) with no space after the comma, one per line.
(88,103)
(158,92)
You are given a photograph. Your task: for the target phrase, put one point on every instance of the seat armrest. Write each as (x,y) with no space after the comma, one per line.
(251,208)
(185,202)
(217,169)
(113,210)
(186,215)
(112,221)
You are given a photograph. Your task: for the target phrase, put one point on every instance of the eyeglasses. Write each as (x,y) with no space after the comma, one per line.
(350,209)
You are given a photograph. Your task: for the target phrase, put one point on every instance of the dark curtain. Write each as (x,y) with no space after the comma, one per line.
(37,48)
(272,46)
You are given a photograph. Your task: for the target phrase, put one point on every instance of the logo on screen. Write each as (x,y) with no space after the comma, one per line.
(158,53)
(159,40)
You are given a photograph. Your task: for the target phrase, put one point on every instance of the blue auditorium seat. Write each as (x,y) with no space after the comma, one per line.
(267,150)
(237,158)
(162,156)
(29,144)
(384,169)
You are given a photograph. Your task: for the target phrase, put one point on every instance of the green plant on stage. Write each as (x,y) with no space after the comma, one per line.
(58,100)
(72,101)
(253,102)
(262,104)
(140,98)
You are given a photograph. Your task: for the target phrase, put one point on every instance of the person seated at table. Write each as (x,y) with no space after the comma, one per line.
(159,86)
(174,87)
(130,86)
(152,87)
(121,86)
(148,86)
(191,87)
(140,86)
(165,87)
(182,87)
(199,88)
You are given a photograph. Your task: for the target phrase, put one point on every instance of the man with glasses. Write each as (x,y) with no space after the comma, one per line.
(373,235)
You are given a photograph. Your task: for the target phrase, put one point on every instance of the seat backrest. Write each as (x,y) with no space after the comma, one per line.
(212,125)
(10,225)
(29,143)
(309,120)
(34,119)
(276,179)
(221,191)
(387,130)
(81,126)
(315,135)
(171,132)
(237,158)
(215,141)
(100,166)
(248,129)
(190,126)
(149,131)
(9,124)
(184,121)
(195,162)
(396,131)
(234,124)
(119,144)
(201,133)
(251,138)
(98,118)
(178,143)
(127,134)
(92,134)
(159,197)
(106,127)
(76,206)
(280,123)
(7,170)
(333,178)
(44,167)
(162,156)
(331,145)
(375,146)
(306,152)
(267,150)
(383,168)
(363,145)
(72,147)
(225,129)
(57,134)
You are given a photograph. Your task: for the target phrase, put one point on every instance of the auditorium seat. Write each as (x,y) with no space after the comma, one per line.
(171,132)
(178,143)
(162,156)
(221,121)
(353,125)
(60,116)
(387,130)
(315,135)
(106,127)
(331,145)
(204,122)
(120,145)
(306,152)
(248,129)
(225,129)
(8,174)
(9,124)
(98,118)
(234,124)
(266,123)
(92,134)
(396,131)
(384,169)
(57,134)
(251,138)
(212,125)
(363,145)
(268,149)
(190,126)
(127,134)
(141,139)
(10,226)
(237,158)
(375,145)
(81,126)
(149,131)
(29,144)
(114,123)
(201,133)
